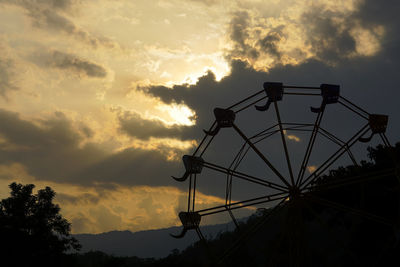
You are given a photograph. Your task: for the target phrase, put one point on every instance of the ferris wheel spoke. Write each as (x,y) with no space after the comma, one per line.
(263,132)
(251,104)
(261,155)
(208,143)
(351,180)
(239,157)
(251,231)
(244,100)
(203,140)
(330,136)
(298,93)
(243,204)
(351,106)
(355,211)
(339,142)
(334,157)
(244,176)
(355,111)
(344,148)
(351,155)
(310,145)
(302,87)
(288,126)
(284,142)
(385,139)
(268,134)
(233,217)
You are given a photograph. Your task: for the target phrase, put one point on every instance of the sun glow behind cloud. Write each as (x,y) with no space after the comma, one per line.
(220,70)
(180,114)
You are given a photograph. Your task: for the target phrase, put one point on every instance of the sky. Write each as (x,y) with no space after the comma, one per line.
(100,99)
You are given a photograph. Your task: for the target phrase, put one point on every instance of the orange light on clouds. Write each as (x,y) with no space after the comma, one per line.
(311,168)
(179,114)
(293,137)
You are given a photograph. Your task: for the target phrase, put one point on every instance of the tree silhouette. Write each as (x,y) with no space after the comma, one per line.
(32,231)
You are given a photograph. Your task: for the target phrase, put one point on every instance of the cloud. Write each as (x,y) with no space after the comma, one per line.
(312,168)
(79,199)
(48,19)
(53,4)
(269,44)
(7,81)
(128,208)
(70,62)
(52,15)
(238,33)
(307,30)
(131,166)
(134,125)
(51,149)
(329,34)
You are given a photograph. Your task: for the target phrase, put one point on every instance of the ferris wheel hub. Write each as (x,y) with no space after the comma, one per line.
(294,192)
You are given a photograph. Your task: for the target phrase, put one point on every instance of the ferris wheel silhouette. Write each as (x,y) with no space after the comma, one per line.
(286,187)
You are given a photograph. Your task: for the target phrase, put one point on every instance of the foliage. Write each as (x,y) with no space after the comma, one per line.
(32,230)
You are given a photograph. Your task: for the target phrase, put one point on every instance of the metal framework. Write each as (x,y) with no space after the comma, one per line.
(294,185)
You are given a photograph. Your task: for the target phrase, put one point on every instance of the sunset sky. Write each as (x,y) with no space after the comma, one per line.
(100,99)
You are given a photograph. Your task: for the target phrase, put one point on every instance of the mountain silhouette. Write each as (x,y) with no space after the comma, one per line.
(145,244)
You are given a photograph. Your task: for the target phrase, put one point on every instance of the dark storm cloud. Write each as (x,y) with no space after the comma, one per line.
(269,44)
(7,82)
(67,62)
(238,28)
(54,4)
(51,20)
(51,15)
(374,13)
(328,35)
(243,46)
(50,150)
(75,64)
(132,167)
(332,40)
(207,92)
(85,198)
(134,125)
(238,33)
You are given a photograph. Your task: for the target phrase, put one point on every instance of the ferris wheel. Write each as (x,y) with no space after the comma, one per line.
(285,183)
